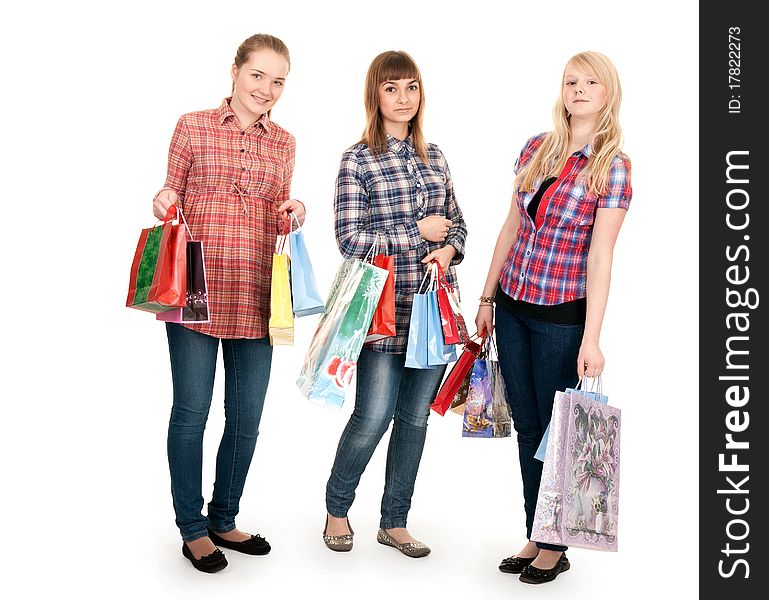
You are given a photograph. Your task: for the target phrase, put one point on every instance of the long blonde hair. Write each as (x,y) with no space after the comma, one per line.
(606,143)
(391,66)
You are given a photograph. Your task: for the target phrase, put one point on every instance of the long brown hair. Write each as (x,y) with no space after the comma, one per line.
(260,41)
(391,66)
(606,142)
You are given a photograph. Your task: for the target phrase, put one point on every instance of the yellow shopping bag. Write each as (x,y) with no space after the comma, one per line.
(281,313)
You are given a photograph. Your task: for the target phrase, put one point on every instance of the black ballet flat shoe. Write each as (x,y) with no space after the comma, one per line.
(211,563)
(515,564)
(534,575)
(256,545)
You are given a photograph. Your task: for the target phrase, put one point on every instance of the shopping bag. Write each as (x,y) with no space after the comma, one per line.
(452,321)
(592,395)
(195,309)
(454,379)
(383,321)
(437,352)
(332,356)
(487,412)
(477,418)
(305,297)
(416,344)
(578,501)
(281,325)
(158,280)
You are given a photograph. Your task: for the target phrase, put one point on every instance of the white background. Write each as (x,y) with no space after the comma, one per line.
(91,95)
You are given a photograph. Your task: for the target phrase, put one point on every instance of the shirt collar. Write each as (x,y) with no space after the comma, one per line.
(398,146)
(586,150)
(225,112)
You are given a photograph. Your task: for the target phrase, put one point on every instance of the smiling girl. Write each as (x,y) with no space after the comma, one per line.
(394,185)
(230,170)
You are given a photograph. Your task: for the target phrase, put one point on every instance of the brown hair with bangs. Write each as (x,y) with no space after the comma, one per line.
(391,66)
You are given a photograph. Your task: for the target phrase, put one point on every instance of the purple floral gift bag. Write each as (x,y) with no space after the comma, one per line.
(579,491)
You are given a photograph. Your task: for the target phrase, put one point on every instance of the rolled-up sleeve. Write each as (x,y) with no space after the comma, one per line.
(618,188)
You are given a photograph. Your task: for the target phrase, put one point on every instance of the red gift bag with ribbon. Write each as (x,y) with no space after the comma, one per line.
(452,321)
(455,378)
(158,279)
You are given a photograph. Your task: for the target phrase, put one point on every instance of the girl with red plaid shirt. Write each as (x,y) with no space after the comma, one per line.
(230,170)
(550,271)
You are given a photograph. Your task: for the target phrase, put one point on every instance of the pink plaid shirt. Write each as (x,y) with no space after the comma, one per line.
(231,182)
(547,263)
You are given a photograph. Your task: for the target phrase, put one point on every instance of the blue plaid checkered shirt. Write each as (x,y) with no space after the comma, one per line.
(381,198)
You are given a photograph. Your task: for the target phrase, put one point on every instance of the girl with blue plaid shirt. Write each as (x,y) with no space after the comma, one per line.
(395,189)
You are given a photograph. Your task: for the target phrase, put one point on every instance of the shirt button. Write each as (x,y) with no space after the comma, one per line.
(521,274)
(242,149)
(527,252)
(242,133)
(242,168)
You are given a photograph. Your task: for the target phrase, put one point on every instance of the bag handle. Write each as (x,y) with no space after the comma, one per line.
(374,250)
(294,217)
(175,212)
(596,385)
(280,243)
(442,278)
(428,271)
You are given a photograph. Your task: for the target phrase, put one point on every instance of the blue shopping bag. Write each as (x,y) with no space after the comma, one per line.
(590,395)
(416,346)
(306,299)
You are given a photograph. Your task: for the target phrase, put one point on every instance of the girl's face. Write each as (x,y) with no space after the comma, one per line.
(399,101)
(259,82)
(583,94)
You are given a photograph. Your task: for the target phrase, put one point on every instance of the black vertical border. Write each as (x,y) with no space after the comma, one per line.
(721,132)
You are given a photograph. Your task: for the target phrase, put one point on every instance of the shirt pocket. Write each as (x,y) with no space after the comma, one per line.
(576,208)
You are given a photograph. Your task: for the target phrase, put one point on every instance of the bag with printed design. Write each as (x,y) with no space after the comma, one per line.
(332,356)
(456,376)
(486,411)
(578,500)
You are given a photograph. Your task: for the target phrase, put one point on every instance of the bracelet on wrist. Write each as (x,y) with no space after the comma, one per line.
(489,299)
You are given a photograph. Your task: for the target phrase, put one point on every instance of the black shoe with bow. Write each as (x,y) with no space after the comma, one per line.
(255,545)
(515,564)
(532,574)
(210,563)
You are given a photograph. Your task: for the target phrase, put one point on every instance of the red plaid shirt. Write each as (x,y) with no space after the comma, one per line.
(231,182)
(547,263)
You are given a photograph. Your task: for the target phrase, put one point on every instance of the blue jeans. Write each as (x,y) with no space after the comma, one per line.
(386,391)
(246,374)
(537,359)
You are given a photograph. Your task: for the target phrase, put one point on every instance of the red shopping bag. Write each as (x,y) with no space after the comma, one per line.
(383,322)
(456,377)
(452,321)
(158,279)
